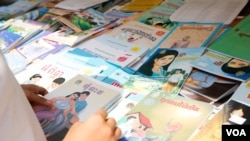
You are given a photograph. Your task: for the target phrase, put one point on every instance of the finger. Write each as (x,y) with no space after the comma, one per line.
(40,100)
(118,133)
(103,113)
(111,122)
(40,90)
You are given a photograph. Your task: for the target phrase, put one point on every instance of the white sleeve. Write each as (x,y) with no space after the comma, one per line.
(18,121)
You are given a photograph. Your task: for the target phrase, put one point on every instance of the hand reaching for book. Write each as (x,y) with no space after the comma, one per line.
(96,128)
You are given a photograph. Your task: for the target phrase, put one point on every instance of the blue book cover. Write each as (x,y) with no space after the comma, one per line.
(92,65)
(222,65)
(242,94)
(7,39)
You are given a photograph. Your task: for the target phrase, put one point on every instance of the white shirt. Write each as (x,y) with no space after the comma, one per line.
(17,119)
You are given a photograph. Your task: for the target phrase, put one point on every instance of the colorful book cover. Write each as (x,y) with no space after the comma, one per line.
(18,7)
(8,39)
(164,118)
(114,51)
(190,35)
(221,65)
(158,17)
(235,42)
(138,33)
(210,86)
(170,67)
(85,20)
(26,29)
(75,101)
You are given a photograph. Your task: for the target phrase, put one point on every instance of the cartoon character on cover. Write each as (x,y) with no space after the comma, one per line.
(56,83)
(173,80)
(34,79)
(135,126)
(158,64)
(183,43)
(129,36)
(236,66)
(65,113)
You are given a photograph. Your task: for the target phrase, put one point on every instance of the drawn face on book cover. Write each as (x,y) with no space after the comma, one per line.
(236,66)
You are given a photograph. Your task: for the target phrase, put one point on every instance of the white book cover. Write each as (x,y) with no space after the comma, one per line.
(112,50)
(139,33)
(49,73)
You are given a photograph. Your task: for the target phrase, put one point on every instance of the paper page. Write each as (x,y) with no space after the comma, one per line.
(78,4)
(209,11)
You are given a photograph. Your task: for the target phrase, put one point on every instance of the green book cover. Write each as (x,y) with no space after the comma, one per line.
(235,42)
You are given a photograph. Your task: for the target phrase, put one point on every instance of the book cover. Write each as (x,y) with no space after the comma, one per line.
(242,94)
(85,20)
(117,78)
(70,38)
(114,51)
(8,39)
(74,101)
(90,65)
(164,118)
(169,66)
(49,73)
(39,48)
(16,8)
(138,33)
(26,29)
(158,17)
(222,65)
(236,113)
(235,42)
(139,84)
(190,35)
(126,104)
(210,86)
